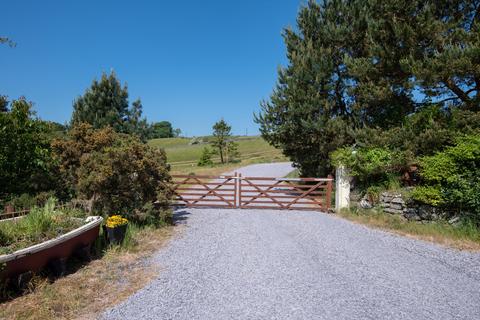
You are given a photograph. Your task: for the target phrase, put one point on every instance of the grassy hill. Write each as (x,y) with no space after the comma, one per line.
(183,153)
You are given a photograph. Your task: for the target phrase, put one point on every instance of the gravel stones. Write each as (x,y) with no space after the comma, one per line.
(271,264)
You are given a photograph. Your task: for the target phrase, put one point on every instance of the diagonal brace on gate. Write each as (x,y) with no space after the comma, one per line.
(262,192)
(212,191)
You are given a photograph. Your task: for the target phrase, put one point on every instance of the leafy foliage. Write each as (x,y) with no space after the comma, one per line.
(119,173)
(425,132)
(25,158)
(3,103)
(162,129)
(232,151)
(27,201)
(452,177)
(428,195)
(105,103)
(205,158)
(372,167)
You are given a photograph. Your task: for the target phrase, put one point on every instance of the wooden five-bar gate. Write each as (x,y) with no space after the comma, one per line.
(235,191)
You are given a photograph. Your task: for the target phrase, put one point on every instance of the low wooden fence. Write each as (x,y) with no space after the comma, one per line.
(11,213)
(235,191)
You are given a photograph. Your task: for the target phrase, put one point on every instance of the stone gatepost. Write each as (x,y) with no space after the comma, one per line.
(342,189)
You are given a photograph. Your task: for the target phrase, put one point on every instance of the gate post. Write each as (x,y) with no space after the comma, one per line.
(239,193)
(342,189)
(328,195)
(235,189)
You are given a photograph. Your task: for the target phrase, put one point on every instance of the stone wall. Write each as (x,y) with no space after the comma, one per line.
(394,203)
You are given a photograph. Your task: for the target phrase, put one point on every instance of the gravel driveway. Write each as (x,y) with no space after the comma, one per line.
(271,264)
(276,170)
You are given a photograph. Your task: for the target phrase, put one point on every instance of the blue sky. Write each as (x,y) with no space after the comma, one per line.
(191,62)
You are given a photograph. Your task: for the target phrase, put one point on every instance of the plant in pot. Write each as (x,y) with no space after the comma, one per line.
(115,229)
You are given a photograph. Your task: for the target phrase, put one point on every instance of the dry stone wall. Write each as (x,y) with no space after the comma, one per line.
(395,203)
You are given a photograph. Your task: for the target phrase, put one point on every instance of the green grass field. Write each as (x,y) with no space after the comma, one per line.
(183,156)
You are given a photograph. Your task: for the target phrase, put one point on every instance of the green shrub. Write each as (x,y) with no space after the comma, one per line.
(371,167)
(452,177)
(119,173)
(205,157)
(428,195)
(22,202)
(26,201)
(373,193)
(25,156)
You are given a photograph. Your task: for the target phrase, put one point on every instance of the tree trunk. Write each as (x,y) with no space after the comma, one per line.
(221,155)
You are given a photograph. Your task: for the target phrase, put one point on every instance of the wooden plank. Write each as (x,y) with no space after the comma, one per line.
(195,183)
(201,194)
(282,202)
(280,197)
(201,177)
(321,193)
(224,206)
(203,200)
(292,187)
(276,208)
(288,179)
(202,189)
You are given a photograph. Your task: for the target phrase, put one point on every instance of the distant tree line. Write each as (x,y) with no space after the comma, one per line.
(106,103)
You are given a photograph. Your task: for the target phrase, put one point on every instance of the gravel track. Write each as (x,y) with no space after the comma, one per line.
(277,170)
(271,264)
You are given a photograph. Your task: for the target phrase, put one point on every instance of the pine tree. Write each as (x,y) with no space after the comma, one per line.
(307,115)
(105,103)
(221,133)
(205,157)
(358,64)
(3,103)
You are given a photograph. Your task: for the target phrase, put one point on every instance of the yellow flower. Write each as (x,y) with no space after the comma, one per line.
(116,221)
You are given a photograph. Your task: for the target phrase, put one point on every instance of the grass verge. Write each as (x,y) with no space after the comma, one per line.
(293,174)
(464,236)
(97,285)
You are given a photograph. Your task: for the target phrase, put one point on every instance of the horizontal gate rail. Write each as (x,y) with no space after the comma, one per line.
(205,190)
(235,191)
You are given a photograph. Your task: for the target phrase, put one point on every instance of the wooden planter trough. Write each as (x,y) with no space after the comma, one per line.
(37,257)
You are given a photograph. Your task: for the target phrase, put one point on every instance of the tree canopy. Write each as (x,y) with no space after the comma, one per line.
(221,133)
(106,103)
(356,65)
(3,103)
(25,161)
(226,148)
(162,129)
